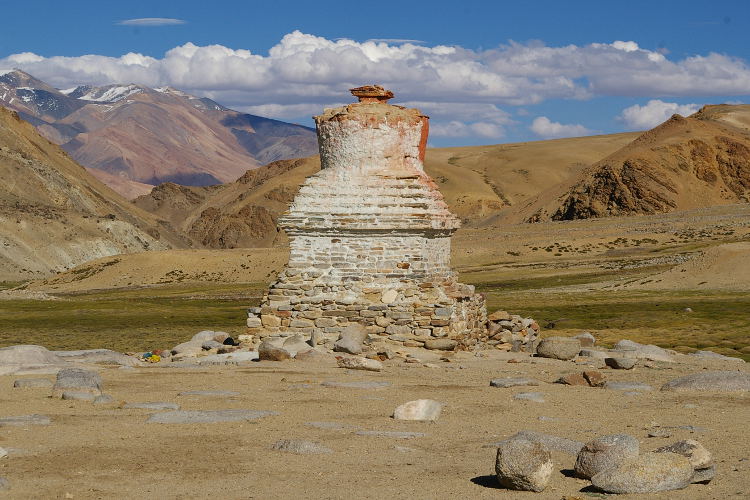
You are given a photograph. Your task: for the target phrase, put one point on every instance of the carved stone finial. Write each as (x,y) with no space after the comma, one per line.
(372,93)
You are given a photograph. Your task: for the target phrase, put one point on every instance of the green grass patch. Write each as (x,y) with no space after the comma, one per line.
(128,320)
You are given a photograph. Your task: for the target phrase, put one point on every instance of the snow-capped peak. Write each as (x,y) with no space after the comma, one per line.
(110,93)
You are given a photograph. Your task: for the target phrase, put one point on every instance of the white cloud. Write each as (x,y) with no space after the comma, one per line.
(395,40)
(544,127)
(151,21)
(653,113)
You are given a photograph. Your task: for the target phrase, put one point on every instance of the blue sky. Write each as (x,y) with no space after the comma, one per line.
(486,72)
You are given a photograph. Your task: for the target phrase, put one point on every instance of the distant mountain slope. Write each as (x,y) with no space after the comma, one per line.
(684,163)
(54,215)
(150,136)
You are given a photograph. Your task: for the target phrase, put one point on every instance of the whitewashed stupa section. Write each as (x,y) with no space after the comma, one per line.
(370,236)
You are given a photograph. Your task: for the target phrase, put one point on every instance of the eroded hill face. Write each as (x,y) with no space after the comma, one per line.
(54,215)
(139,137)
(684,163)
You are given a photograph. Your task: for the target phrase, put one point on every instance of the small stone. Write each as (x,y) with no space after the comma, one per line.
(78,396)
(572,379)
(300,447)
(564,348)
(705,475)
(513,382)
(206,416)
(648,473)
(594,378)
(77,380)
(659,433)
(536,397)
(269,352)
(523,465)
(25,383)
(153,406)
(621,363)
(358,363)
(605,453)
(420,409)
(716,381)
(440,344)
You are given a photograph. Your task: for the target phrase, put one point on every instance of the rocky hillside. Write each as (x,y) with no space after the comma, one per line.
(134,137)
(685,163)
(54,215)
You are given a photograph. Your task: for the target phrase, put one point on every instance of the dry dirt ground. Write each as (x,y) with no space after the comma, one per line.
(104,451)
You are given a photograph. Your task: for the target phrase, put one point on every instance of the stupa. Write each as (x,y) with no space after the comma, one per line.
(370,237)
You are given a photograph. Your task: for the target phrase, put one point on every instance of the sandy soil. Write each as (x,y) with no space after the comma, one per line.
(107,452)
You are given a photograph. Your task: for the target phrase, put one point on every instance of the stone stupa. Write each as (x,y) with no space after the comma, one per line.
(370,237)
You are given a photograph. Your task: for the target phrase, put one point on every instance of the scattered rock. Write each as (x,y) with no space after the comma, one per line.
(586,339)
(549,441)
(22,359)
(523,465)
(207,416)
(351,339)
(636,350)
(25,383)
(357,385)
(295,344)
(78,396)
(572,379)
(440,344)
(103,399)
(649,473)
(564,348)
(627,386)
(205,335)
(34,419)
(270,352)
(715,355)
(594,378)
(704,475)
(221,394)
(77,380)
(718,381)
(314,355)
(513,382)
(392,434)
(211,344)
(103,356)
(536,397)
(621,363)
(605,453)
(156,405)
(499,316)
(420,409)
(300,446)
(659,433)
(358,363)
(188,349)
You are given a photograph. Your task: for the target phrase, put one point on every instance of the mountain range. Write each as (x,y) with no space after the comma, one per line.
(133,137)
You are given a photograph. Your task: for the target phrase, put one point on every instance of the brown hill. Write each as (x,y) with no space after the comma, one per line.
(151,136)
(684,163)
(54,215)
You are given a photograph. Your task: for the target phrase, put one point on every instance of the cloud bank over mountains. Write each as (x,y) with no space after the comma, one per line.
(304,72)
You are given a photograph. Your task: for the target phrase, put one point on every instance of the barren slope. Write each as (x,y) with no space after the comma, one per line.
(54,215)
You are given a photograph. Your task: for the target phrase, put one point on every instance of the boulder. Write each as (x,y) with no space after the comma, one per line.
(605,453)
(314,355)
(586,339)
(513,382)
(643,351)
(205,335)
(103,356)
(269,352)
(499,316)
(621,363)
(549,441)
(716,356)
(300,447)
(594,378)
(295,344)
(207,345)
(77,381)
(28,355)
(648,473)
(440,344)
(359,363)
(698,456)
(350,339)
(564,348)
(420,409)
(523,465)
(717,381)
(187,349)
(572,379)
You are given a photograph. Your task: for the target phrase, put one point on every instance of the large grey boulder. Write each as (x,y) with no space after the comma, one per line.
(420,409)
(604,453)
(523,465)
(648,473)
(643,351)
(77,381)
(20,359)
(564,348)
(103,356)
(718,381)
(351,339)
